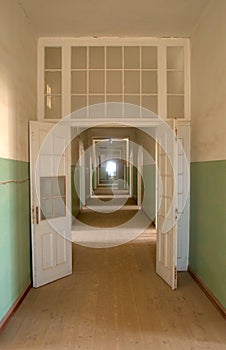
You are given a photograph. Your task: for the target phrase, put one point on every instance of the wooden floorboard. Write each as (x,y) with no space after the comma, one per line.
(115,301)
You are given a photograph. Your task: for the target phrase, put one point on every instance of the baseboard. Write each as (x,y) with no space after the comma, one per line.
(14,307)
(220,308)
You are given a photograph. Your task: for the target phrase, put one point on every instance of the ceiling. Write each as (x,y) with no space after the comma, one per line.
(123,18)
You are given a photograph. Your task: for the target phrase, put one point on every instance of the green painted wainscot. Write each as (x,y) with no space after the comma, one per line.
(148,202)
(15,263)
(134,184)
(75,188)
(208,225)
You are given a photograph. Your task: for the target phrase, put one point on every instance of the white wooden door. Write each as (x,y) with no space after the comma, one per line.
(82,194)
(50,202)
(139,176)
(166,250)
(183,132)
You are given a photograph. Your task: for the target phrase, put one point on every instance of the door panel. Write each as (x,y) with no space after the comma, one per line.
(50,199)
(166,254)
(183,130)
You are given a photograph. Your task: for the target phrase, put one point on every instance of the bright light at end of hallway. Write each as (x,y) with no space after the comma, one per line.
(111,168)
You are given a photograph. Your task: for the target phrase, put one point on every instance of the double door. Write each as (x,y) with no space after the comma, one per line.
(51,200)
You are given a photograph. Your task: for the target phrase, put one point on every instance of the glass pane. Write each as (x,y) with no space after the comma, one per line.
(175,106)
(151,103)
(135,99)
(96,111)
(175,82)
(96,57)
(114,98)
(53,58)
(114,57)
(46,209)
(52,83)
(96,81)
(149,82)
(175,57)
(149,57)
(132,106)
(114,82)
(79,57)
(78,102)
(131,57)
(58,186)
(59,207)
(114,110)
(78,82)
(45,187)
(96,99)
(53,107)
(132,82)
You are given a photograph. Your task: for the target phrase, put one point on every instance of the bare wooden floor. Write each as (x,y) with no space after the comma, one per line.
(111,219)
(115,301)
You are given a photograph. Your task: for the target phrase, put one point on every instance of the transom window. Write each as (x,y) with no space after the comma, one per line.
(153,74)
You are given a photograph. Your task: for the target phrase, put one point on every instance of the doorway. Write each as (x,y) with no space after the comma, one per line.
(110,167)
(85,175)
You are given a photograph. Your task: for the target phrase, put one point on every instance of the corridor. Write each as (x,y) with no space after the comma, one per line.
(114,300)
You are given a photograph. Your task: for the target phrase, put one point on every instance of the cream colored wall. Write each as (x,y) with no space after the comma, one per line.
(208,89)
(17,80)
(147,142)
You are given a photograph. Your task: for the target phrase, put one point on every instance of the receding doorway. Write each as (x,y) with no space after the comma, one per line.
(111,167)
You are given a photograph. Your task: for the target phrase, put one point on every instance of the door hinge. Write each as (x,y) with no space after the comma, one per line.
(37,215)
(33,215)
(175,273)
(176,133)
(175,278)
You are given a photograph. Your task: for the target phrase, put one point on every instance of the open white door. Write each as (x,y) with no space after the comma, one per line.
(183,134)
(166,251)
(139,176)
(50,171)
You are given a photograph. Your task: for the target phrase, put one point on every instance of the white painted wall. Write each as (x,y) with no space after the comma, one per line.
(18,68)
(208,84)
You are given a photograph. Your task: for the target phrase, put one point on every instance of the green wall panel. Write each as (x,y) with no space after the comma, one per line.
(75,180)
(134,184)
(208,225)
(15,265)
(148,202)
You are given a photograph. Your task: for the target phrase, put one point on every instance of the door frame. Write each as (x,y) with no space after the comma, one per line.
(116,122)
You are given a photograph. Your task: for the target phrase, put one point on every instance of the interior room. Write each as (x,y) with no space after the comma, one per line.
(112,181)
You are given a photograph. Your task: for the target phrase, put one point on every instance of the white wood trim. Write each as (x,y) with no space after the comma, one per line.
(187,81)
(53,41)
(67,43)
(66,80)
(40,82)
(184,219)
(162,110)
